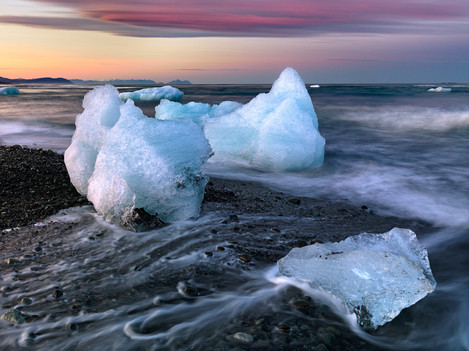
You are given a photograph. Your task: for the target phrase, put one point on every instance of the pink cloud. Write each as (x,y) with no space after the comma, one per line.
(268,17)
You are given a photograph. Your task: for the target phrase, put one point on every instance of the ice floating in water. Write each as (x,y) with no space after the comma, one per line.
(123,160)
(375,275)
(154,94)
(439,90)
(314,86)
(274,131)
(195,111)
(9,91)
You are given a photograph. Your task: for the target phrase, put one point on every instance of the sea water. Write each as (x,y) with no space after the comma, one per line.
(396,148)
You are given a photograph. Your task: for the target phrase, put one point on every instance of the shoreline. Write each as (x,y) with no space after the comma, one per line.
(249,227)
(35,185)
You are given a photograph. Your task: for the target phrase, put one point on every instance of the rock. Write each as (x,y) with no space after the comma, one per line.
(57,293)
(190,291)
(243,337)
(245,258)
(294,201)
(26,301)
(300,303)
(13,260)
(14,316)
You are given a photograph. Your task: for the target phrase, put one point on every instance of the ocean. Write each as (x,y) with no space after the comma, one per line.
(398,149)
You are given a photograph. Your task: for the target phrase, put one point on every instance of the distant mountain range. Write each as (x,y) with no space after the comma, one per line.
(46,80)
(129,81)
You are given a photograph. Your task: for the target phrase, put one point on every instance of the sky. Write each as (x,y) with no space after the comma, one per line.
(242,41)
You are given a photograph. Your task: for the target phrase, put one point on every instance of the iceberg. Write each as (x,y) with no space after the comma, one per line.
(276,131)
(374,275)
(122,160)
(154,94)
(439,90)
(196,111)
(9,91)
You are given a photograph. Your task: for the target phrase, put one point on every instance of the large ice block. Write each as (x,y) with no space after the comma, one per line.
(375,275)
(277,131)
(123,160)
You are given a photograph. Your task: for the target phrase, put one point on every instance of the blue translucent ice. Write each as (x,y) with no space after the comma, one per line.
(9,91)
(154,94)
(123,160)
(375,275)
(274,131)
(195,111)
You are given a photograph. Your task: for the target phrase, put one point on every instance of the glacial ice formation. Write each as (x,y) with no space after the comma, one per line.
(9,91)
(195,111)
(154,94)
(375,275)
(439,90)
(274,131)
(123,160)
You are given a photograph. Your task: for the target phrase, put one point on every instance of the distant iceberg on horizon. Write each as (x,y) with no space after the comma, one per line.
(9,91)
(439,90)
(154,94)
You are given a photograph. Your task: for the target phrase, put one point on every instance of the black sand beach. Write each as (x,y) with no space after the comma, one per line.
(34,185)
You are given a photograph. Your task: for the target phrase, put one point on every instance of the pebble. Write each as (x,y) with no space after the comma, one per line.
(26,301)
(245,258)
(14,316)
(12,260)
(283,328)
(243,337)
(208,254)
(57,293)
(233,218)
(220,248)
(294,201)
(190,290)
(300,303)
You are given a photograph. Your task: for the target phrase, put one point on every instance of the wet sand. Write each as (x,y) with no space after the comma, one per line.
(35,185)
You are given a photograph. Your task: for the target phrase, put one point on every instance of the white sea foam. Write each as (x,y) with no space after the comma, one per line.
(439,90)
(407,118)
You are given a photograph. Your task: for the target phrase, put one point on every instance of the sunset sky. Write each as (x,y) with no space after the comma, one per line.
(242,41)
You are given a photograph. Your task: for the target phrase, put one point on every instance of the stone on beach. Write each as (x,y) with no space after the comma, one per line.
(374,275)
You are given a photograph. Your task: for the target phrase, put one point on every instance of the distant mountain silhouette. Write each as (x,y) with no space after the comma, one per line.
(45,80)
(128,81)
(178,81)
(118,81)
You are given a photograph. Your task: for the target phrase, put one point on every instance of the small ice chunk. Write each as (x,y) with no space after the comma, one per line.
(375,275)
(9,91)
(315,86)
(439,90)
(196,111)
(154,94)
(123,160)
